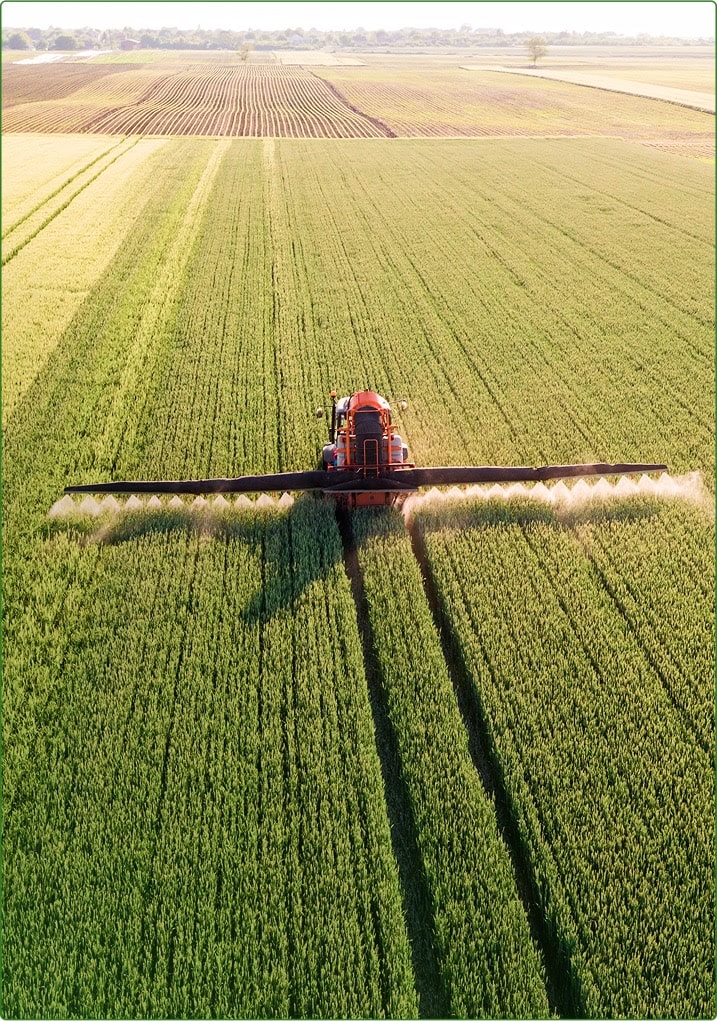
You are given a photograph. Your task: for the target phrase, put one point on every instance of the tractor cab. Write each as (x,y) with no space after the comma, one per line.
(362,435)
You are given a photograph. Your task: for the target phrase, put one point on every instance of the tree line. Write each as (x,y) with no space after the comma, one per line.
(299,38)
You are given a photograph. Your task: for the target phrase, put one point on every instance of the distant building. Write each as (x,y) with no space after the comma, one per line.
(130,44)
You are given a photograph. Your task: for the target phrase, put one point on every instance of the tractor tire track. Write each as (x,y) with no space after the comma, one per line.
(418,912)
(126,146)
(622,609)
(65,184)
(560,980)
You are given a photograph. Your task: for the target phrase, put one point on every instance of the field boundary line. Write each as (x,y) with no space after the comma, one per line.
(377,122)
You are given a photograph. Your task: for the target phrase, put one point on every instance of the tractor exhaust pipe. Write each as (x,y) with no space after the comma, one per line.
(332,427)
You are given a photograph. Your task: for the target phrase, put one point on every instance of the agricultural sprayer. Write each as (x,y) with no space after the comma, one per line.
(365,463)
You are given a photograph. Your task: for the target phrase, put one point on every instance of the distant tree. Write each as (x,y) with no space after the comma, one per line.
(262,40)
(18,41)
(244,51)
(536,49)
(64,42)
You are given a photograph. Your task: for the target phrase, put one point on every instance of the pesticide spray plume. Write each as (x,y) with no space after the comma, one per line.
(113,516)
(100,520)
(565,499)
(66,507)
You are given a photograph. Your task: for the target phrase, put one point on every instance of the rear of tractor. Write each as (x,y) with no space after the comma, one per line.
(365,444)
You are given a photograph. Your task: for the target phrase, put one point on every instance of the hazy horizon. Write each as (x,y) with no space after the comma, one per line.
(685,20)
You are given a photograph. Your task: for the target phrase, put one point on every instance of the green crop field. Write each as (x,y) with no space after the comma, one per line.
(267,759)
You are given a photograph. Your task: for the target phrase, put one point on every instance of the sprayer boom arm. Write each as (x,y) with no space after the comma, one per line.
(281,482)
(394,479)
(452,476)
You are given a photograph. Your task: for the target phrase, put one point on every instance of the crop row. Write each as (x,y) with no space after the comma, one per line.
(510,298)
(23,230)
(212,402)
(473,976)
(37,168)
(406,303)
(198,828)
(74,385)
(488,963)
(164,683)
(239,721)
(44,290)
(663,598)
(602,742)
(252,100)
(194,816)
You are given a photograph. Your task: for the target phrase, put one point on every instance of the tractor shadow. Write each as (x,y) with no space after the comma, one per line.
(292,545)
(303,542)
(308,542)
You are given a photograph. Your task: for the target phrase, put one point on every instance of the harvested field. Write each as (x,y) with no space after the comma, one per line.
(450,102)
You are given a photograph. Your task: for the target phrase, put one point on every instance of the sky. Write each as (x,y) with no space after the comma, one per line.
(678,18)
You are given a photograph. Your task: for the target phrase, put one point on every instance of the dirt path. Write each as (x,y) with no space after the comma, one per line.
(683,97)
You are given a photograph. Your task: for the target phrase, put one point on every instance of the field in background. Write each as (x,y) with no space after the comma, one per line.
(682,67)
(689,98)
(273,95)
(262,760)
(455,102)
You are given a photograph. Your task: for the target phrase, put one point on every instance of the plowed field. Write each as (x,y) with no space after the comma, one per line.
(204,99)
(166,96)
